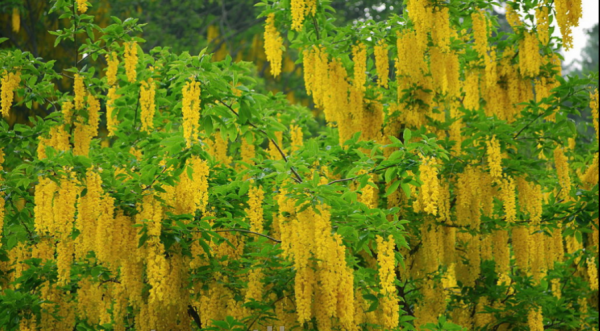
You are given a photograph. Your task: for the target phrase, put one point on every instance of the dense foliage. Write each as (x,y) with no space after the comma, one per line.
(454,185)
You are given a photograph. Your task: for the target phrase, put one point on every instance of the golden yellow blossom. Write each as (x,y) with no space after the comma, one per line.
(530,59)
(9,82)
(131,60)
(494,157)
(147,95)
(255,210)
(543,23)
(79,89)
(359,57)
(429,192)
(382,62)
(191,111)
(568,13)
(300,9)
(111,118)
(112,68)
(535,320)
(508,199)
(82,6)
(562,170)
(480,32)
(471,89)
(273,45)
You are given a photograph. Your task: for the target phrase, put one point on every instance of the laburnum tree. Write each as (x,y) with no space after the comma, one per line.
(454,185)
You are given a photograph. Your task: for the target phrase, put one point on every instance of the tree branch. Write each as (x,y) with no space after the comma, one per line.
(298,178)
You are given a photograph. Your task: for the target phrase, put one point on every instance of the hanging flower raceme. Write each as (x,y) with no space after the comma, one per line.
(82,6)
(568,14)
(530,59)
(112,68)
(111,117)
(147,95)
(79,90)
(387,263)
(382,62)
(131,60)
(480,32)
(429,192)
(9,81)
(494,157)
(300,9)
(471,89)
(509,200)
(562,170)
(273,45)
(359,57)
(255,209)
(535,320)
(543,23)
(191,111)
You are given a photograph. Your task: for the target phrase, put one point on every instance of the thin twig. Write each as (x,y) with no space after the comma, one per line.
(298,178)
(244,231)
(355,177)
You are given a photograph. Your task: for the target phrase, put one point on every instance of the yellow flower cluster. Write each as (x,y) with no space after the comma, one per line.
(10,81)
(494,157)
(273,45)
(300,9)
(512,16)
(562,170)
(64,217)
(192,191)
(387,263)
(217,147)
(255,210)
(594,106)
(131,60)
(191,111)
(93,115)
(248,151)
(79,89)
(359,57)
(568,14)
(471,89)
(480,32)
(543,23)
(530,59)
(16,20)
(112,68)
(508,198)
(592,270)
(382,63)
(111,118)
(430,189)
(535,320)
(147,95)
(440,32)
(82,6)
(521,240)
